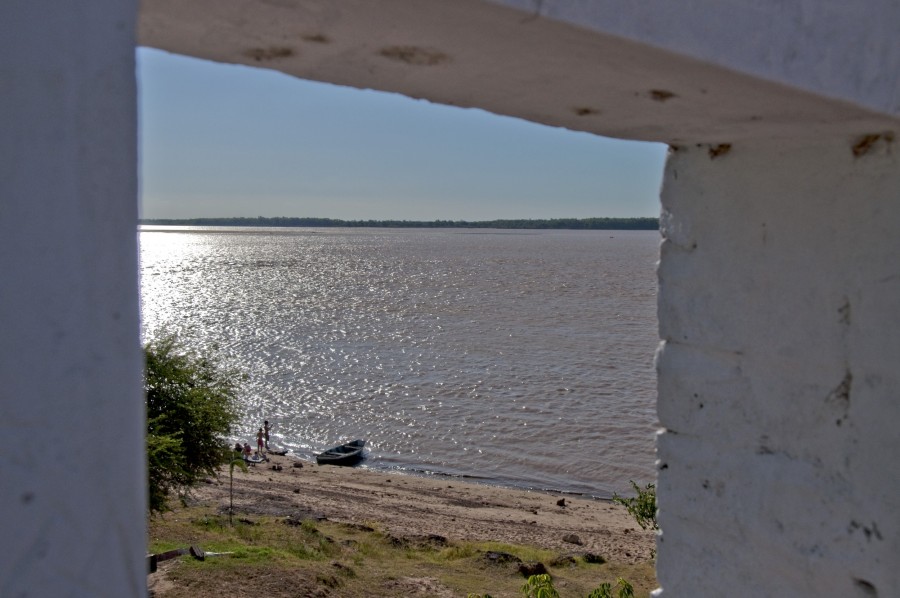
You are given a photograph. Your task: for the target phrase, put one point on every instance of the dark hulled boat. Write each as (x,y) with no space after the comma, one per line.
(350,453)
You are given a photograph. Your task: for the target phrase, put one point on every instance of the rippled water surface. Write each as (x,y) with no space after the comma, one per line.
(521,358)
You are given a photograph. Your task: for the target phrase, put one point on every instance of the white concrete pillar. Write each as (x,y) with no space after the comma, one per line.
(778,375)
(72,477)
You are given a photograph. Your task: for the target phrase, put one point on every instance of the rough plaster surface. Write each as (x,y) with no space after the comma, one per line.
(69,350)
(587,77)
(778,372)
(833,48)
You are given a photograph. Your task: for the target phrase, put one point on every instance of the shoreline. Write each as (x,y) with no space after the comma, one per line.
(440,476)
(410,505)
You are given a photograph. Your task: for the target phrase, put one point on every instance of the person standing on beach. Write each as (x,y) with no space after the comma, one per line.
(259,441)
(266,428)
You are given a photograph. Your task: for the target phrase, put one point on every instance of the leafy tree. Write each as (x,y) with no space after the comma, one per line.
(191,407)
(642,507)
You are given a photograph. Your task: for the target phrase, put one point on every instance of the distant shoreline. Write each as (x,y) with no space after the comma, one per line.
(549,224)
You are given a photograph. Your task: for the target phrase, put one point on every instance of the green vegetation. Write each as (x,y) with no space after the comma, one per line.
(280,557)
(190,409)
(553,223)
(642,507)
(605,590)
(539,586)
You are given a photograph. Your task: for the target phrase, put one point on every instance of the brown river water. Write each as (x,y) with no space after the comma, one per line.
(516,358)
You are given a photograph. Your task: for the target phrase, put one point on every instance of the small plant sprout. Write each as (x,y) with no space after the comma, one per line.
(539,586)
(625,590)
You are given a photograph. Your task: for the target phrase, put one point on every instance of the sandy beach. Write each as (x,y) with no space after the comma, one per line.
(405,505)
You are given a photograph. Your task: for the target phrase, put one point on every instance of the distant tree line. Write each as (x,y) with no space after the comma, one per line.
(553,223)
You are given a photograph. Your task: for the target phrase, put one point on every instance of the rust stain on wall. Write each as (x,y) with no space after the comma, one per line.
(270,53)
(415,55)
(317,38)
(864,144)
(662,95)
(719,150)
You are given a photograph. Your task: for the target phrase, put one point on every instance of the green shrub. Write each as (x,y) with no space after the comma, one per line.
(642,507)
(605,590)
(191,407)
(539,586)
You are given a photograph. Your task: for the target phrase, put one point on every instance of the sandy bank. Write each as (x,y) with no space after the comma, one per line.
(405,505)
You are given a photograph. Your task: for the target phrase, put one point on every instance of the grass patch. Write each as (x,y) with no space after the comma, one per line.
(277,560)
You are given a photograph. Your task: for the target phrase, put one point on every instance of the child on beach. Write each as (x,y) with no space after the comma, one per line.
(259,441)
(266,428)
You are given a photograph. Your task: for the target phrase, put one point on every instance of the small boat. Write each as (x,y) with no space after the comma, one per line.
(350,453)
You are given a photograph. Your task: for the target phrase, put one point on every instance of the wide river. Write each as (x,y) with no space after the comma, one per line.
(518,358)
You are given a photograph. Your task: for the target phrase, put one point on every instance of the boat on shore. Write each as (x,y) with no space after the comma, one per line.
(349,453)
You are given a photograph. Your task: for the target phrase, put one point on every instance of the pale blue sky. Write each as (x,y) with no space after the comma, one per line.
(224,140)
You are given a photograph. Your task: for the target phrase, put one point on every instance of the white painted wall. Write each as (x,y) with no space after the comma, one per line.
(779,280)
(72,480)
(832,48)
(778,375)
(607,71)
